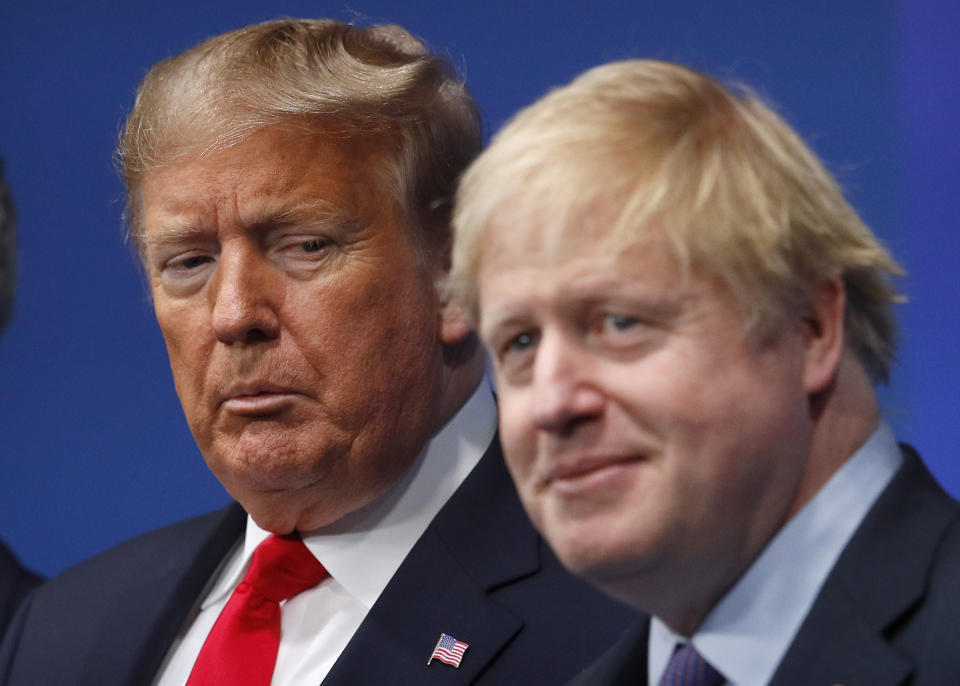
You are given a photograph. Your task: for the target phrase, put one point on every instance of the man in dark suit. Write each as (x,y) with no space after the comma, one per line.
(289,190)
(687,322)
(15,581)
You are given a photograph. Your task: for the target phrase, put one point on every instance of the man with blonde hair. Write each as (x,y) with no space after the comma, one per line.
(686,320)
(289,191)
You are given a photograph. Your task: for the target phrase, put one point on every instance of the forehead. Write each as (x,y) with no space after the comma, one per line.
(577,270)
(276,171)
(590,264)
(547,236)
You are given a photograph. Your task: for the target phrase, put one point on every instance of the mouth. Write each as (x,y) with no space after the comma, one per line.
(258,399)
(593,474)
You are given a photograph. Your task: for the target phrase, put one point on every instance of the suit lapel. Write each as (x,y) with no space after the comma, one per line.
(624,664)
(479,541)
(880,578)
(130,648)
(837,646)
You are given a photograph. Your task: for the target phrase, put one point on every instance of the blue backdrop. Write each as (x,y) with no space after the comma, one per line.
(94,446)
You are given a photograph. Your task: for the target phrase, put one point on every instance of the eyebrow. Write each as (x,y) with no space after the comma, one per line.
(572,298)
(510,318)
(314,210)
(174,232)
(181,229)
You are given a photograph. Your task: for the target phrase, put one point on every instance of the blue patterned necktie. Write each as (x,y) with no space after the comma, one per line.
(688,668)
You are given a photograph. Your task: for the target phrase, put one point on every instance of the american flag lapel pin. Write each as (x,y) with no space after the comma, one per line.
(449,650)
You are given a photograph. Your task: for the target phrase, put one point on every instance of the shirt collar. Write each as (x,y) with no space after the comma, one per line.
(748,632)
(363,549)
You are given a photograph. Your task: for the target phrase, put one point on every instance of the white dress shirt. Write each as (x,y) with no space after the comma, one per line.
(361,552)
(748,632)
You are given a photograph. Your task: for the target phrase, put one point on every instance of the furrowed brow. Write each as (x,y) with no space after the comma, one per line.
(175,232)
(311,211)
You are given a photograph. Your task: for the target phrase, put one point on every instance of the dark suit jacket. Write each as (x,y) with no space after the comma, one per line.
(888,614)
(15,583)
(479,572)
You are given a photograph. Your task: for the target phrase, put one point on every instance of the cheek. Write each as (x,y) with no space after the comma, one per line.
(364,306)
(733,444)
(188,353)
(517,434)
(184,351)
(179,322)
(372,344)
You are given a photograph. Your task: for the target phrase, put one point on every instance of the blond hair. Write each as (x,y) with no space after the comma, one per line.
(379,81)
(712,172)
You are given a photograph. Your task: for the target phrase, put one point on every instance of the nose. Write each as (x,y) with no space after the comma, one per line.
(244,308)
(565,389)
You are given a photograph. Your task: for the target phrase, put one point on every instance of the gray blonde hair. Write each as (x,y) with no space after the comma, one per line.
(712,173)
(379,81)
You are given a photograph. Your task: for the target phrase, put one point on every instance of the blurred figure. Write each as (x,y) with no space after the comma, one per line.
(15,581)
(289,191)
(687,320)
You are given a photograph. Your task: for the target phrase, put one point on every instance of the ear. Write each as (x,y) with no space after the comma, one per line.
(824,334)
(455,324)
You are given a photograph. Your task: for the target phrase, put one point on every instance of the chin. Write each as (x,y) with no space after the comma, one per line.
(580,552)
(595,553)
(306,509)
(277,503)
(281,513)
(249,472)
(280,525)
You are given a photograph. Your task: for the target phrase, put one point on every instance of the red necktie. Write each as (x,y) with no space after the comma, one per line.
(242,646)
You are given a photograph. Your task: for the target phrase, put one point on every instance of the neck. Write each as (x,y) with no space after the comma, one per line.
(844,416)
(463,369)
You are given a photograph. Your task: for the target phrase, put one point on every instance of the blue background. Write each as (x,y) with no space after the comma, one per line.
(94,446)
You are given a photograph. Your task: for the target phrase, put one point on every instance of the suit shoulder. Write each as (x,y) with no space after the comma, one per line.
(129,601)
(928,631)
(625,662)
(126,569)
(152,549)
(15,583)
(945,568)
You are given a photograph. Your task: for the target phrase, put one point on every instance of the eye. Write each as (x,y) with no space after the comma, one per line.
(514,357)
(185,273)
(520,342)
(620,333)
(298,252)
(190,262)
(314,245)
(300,247)
(618,322)
(183,265)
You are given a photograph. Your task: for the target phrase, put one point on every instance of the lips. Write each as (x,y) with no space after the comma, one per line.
(258,398)
(590,474)
(256,388)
